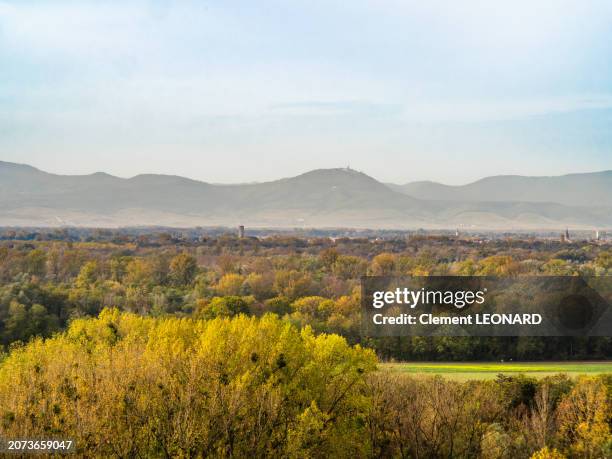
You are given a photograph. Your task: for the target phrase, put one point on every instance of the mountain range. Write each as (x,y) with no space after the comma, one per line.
(319,198)
(589,190)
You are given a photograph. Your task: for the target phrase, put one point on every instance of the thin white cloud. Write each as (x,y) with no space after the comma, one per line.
(477,111)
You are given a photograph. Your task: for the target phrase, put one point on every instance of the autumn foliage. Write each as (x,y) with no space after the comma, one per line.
(123,385)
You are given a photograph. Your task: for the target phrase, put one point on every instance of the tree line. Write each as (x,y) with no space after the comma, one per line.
(45,284)
(125,385)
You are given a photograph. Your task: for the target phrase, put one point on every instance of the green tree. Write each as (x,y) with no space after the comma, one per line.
(227,306)
(183,269)
(88,274)
(604,260)
(35,262)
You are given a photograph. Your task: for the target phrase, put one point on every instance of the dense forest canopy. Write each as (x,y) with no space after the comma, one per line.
(49,278)
(124,385)
(157,344)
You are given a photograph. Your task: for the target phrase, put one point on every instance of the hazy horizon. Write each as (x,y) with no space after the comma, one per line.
(239,92)
(298,174)
(302,173)
(319,198)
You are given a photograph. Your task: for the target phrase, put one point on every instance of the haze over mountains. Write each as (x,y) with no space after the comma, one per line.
(319,198)
(590,189)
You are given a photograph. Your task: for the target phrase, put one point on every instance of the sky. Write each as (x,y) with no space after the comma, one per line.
(230,91)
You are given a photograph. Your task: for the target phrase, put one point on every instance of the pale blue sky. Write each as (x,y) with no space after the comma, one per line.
(232,91)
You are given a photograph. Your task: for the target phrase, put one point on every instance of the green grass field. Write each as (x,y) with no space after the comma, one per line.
(490,370)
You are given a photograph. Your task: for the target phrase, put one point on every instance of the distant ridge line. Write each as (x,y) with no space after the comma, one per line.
(338,197)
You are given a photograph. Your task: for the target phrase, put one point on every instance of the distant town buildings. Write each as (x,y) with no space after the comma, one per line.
(565,237)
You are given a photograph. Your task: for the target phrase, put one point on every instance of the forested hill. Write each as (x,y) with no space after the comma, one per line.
(323,198)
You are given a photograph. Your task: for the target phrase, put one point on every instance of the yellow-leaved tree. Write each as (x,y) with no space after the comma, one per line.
(125,385)
(584,416)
